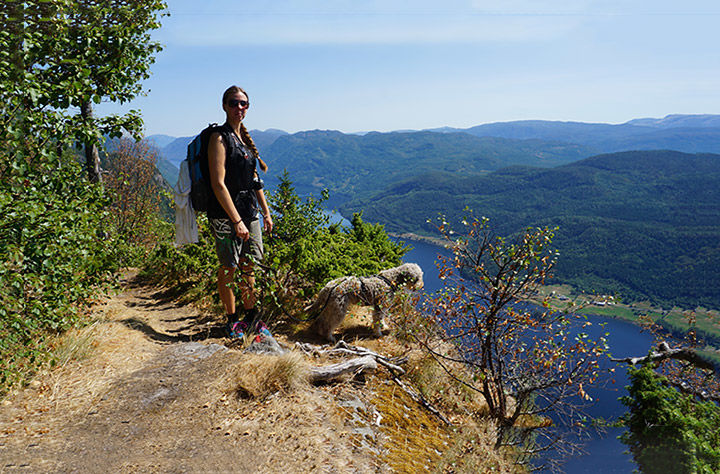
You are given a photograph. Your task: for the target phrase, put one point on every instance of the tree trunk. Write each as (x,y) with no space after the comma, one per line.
(92,157)
(16,26)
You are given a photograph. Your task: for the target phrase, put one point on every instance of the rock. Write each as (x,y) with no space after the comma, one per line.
(193,351)
(264,344)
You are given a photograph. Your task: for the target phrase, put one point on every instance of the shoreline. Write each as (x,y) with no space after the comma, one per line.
(420,238)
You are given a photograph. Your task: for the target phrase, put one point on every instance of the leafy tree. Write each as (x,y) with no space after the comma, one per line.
(669,431)
(54,249)
(526,364)
(138,192)
(111,51)
(68,54)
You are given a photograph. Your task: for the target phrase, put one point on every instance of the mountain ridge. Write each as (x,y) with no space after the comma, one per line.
(687,133)
(643,224)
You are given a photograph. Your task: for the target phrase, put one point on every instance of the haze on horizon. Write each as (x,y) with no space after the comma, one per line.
(400,64)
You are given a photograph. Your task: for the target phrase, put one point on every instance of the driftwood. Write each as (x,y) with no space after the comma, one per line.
(344,348)
(367,360)
(329,372)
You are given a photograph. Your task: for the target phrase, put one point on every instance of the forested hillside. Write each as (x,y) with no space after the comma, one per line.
(639,224)
(352,165)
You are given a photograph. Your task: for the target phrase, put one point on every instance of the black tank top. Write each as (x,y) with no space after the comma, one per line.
(240,164)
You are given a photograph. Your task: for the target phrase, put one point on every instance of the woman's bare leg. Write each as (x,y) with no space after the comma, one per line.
(227,296)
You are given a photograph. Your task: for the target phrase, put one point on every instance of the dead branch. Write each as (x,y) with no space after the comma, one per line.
(343,347)
(329,372)
(664,352)
(318,374)
(421,400)
(346,349)
(308,349)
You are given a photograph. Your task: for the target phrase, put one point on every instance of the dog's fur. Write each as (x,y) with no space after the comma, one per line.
(334,299)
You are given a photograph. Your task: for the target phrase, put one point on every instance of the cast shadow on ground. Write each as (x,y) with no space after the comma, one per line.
(207,332)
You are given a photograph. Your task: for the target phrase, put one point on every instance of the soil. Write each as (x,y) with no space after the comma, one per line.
(148,389)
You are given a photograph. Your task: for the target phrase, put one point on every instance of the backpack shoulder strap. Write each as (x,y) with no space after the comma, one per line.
(226,133)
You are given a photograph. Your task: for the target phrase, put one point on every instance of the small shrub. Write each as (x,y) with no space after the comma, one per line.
(259,376)
(54,254)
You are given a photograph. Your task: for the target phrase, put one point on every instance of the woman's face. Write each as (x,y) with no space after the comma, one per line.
(234,107)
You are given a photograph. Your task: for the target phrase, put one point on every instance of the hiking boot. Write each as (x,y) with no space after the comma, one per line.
(261,328)
(237,329)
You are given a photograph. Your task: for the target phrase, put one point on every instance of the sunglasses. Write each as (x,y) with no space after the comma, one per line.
(235,103)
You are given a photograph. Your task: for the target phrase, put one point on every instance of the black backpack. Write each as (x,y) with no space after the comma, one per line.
(197,158)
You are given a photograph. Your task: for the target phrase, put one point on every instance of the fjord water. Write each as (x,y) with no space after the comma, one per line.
(605,453)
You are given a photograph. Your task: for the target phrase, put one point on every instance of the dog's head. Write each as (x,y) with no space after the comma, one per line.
(409,275)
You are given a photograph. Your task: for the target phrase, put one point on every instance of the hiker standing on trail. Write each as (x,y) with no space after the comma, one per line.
(233,212)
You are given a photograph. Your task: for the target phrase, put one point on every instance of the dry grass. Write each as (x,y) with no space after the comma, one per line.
(259,376)
(415,438)
(74,345)
(87,362)
(471,451)
(302,431)
(417,441)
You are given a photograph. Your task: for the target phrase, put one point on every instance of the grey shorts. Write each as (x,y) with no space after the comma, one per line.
(228,246)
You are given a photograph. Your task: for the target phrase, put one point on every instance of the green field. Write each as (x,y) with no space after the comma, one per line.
(679,321)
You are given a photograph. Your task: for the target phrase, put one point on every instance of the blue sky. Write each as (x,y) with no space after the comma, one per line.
(393,64)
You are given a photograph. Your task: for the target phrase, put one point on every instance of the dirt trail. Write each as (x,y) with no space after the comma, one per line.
(153,395)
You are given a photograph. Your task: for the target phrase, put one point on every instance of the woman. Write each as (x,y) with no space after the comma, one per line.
(233,211)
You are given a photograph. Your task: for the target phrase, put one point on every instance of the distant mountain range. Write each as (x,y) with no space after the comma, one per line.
(690,133)
(552,143)
(173,150)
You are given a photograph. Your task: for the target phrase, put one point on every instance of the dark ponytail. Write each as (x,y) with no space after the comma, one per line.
(247,139)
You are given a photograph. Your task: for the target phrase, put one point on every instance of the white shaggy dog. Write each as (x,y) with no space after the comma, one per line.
(333,300)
